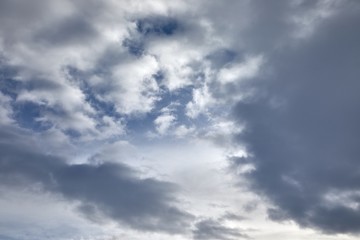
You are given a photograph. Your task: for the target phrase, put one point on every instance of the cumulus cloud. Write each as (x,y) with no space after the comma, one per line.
(134,88)
(73,60)
(41,51)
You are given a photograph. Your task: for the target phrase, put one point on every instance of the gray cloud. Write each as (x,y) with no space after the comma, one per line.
(213,229)
(113,190)
(302,128)
(7,238)
(72,31)
(232,217)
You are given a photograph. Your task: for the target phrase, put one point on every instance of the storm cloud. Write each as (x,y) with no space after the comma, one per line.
(111,190)
(302,129)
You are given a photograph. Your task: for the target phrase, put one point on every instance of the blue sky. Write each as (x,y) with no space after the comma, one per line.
(178,119)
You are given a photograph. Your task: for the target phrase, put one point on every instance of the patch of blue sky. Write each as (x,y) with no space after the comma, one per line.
(72,133)
(27,115)
(157,25)
(147,27)
(134,46)
(101,107)
(10,87)
(8,84)
(175,101)
(6,71)
(137,125)
(159,78)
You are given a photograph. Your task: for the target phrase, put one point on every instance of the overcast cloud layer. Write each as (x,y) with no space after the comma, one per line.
(179,119)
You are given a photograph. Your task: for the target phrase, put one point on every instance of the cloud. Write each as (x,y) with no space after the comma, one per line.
(111,190)
(133,88)
(7,238)
(69,31)
(238,72)
(164,122)
(212,229)
(5,109)
(201,100)
(302,128)
(41,52)
(88,80)
(59,58)
(84,55)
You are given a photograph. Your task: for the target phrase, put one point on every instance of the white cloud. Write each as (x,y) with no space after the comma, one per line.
(175,59)
(5,109)
(30,214)
(183,131)
(249,68)
(134,88)
(201,100)
(164,122)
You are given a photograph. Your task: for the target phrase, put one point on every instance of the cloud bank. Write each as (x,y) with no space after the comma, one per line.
(302,130)
(111,190)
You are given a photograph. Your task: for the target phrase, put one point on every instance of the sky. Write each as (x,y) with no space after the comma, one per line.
(184,120)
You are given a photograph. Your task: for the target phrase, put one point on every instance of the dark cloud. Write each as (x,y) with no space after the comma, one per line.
(212,229)
(3,237)
(303,128)
(221,57)
(113,190)
(38,22)
(72,31)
